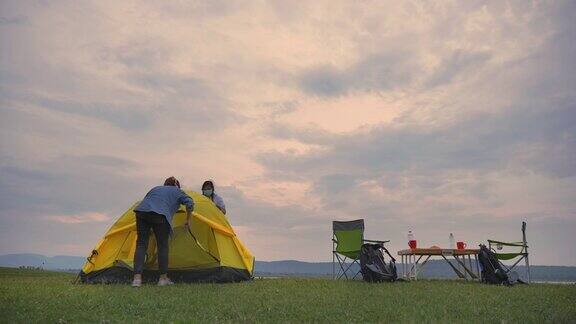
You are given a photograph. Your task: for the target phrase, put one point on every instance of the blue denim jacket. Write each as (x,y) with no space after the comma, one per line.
(165,200)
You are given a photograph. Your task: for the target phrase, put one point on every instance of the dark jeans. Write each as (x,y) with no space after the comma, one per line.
(161,228)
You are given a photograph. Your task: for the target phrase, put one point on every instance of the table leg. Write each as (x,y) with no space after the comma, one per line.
(404,268)
(464,267)
(412,265)
(460,266)
(463,261)
(466,270)
(478,267)
(460,275)
(409,267)
(421,267)
(408,263)
(470,263)
(415,266)
(404,261)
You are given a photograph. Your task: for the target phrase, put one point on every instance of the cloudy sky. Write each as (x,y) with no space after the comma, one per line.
(441,116)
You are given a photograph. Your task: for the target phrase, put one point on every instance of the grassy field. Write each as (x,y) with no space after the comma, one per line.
(39,296)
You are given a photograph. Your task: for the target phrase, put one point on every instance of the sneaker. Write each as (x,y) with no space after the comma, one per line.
(137,283)
(165,282)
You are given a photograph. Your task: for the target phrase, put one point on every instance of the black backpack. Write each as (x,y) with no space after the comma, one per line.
(373,265)
(492,270)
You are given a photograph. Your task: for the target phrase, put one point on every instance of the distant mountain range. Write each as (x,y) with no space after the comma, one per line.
(434,269)
(59,262)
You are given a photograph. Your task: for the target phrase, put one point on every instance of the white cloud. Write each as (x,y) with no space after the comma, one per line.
(79,219)
(404,113)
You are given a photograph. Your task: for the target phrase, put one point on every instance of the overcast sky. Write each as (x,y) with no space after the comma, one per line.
(440,116)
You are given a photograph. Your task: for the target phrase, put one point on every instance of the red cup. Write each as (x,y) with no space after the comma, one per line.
(412,244)
(460,245)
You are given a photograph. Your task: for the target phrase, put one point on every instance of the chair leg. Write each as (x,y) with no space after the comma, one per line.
(508,269)
(345,268)
(525,243)
(338,271)
(333,265)
(348,268)
(527,268)
(357,272)
(341,263)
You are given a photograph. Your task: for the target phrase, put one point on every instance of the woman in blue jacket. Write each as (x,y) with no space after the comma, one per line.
(155,213)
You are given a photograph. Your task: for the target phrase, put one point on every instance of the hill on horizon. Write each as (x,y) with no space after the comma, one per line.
(434,268)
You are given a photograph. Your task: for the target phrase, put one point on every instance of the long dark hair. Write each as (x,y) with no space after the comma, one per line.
(208,183)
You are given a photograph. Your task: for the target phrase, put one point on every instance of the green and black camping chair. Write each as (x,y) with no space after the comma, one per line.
(521,252)
(347,240)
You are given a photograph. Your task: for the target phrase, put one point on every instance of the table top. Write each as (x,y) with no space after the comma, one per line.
(440,251)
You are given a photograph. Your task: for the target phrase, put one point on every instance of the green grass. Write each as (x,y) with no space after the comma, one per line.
(39,296)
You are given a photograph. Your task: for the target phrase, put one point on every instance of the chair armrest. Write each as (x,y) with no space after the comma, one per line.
(333,240)
(375,241)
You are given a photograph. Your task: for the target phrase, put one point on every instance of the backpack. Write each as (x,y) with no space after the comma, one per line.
(492,271)
(373,265)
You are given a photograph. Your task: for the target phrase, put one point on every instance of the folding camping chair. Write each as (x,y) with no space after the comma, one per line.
(496,246)
(347,240)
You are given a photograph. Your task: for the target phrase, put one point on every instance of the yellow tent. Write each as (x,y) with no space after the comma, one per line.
(209,252)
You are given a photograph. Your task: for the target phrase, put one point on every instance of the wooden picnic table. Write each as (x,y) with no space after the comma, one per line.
(411,258)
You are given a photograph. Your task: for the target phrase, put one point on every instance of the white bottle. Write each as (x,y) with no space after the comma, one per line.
(452,245)
(410,236)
